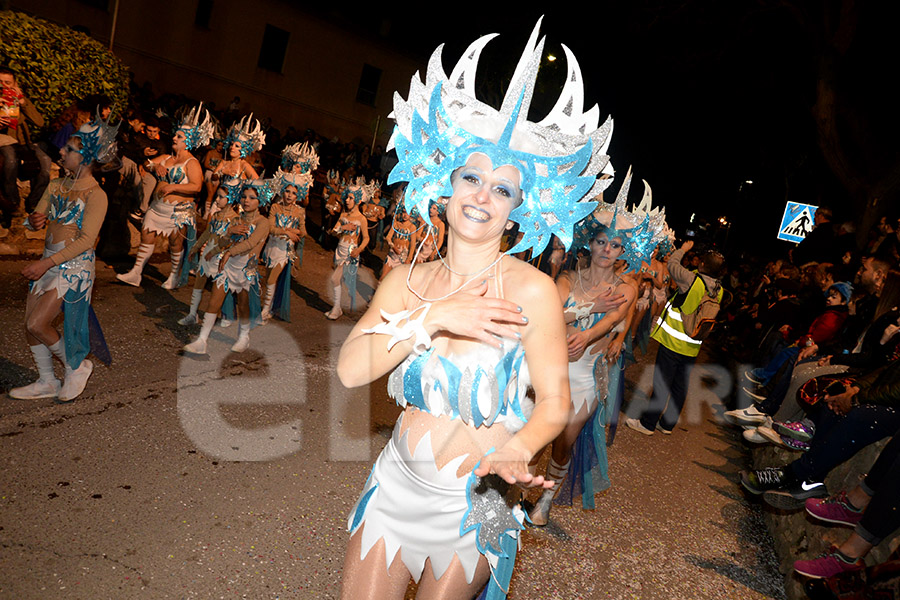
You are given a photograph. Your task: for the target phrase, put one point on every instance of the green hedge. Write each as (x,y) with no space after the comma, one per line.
(56,66)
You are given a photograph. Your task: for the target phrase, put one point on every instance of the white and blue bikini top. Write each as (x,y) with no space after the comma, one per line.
(177,173)
(484,386)
(65,211)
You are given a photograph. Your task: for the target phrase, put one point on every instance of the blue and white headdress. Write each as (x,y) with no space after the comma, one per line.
(98,140)
(359,190)
(301,181)
(265,189)
(198,127)
(248,133)
(234,187)
(638,233)
(657,215)
(442,123)
(303,156)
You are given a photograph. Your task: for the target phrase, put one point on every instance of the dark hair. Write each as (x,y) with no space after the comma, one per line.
(4,70)
(712,263)
(151,121)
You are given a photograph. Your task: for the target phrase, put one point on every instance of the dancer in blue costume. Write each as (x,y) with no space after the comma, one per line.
(172,212)
(353,236)
(466,335)
(287,230)
(72,208)
(237,271)
(598,303)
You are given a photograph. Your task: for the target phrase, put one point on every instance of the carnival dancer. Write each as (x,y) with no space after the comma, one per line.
(72,208)
(399,240)
(209,247)
(466,336)
(287,230)
(298,159)
(172,211)
(238,268)
(243,138)
(430,236)
(597,302)
(353,237)
(331,206)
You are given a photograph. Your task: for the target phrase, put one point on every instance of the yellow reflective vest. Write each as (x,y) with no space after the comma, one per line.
(669,329)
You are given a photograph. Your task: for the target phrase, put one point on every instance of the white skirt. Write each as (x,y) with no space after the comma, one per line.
(239,274)
(209,268)
(277,252)
(586,375)
(418,511)
(165,218)
(75,274)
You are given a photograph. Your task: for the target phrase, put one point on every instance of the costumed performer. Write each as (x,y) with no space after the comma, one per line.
(430,236)
(399,240)
(210,244)
(72,208)
(287,230)
(597,303)
(353,237)
(467,336)
(237,272)
(171,213)
(244,137)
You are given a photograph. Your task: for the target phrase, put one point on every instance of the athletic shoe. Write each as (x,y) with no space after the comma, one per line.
(770,478)
(37,390)
(831,563)
(771,435)
(636,425)
(753,436)
(131,278)
(746,416)
(75,381)
(795,444)
(188,319)
(753,378)
(799,430)
(834,509)
(755,393)
(662,429)
(792,496)
(241,344)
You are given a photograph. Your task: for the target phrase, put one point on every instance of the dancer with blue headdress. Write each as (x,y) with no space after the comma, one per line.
(223,213)
(287,232)
(597,302)
(72,209)
(467,336)
(172,212)
(237,271)
(353,236)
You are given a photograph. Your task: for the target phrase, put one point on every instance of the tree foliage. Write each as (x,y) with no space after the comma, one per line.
(56,65)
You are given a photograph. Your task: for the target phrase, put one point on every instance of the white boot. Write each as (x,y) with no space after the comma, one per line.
(172,281)
(335,312)
(133,277)
(198,346)
(540,514)
(75,381)
(267,306)
(47,385)
(243,340)
(191,317)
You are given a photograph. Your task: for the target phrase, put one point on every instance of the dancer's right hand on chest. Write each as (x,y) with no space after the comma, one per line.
(469,313)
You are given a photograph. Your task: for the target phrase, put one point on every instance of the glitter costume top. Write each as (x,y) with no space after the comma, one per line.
(75,214)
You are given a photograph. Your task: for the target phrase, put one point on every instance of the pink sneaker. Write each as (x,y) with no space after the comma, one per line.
(799,430)
(831,563)
(834,509)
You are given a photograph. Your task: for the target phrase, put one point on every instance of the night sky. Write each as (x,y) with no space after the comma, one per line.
(705,95)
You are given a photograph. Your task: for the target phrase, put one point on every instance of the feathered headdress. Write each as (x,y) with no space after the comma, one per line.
(248,133)
(441,124)
(301,181)
(302,155)
(198,127)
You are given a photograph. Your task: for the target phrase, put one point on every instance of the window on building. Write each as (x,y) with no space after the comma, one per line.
(204,13)
(368,85)
(274,47)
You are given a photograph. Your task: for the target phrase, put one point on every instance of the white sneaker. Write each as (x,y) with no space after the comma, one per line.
(131,278)
(37,390)
(334,314)
(770,435)
(241,344)
(188,319)
(746,416)
(75,381)
(223,322)
(636,425)
(198,346)
(754,437)
(171,282)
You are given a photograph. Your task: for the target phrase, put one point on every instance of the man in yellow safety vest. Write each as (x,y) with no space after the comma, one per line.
(677,349)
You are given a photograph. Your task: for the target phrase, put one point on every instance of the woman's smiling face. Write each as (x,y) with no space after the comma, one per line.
(483,197)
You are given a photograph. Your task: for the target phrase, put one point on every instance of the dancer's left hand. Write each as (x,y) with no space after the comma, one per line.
(36,270)
(511,465)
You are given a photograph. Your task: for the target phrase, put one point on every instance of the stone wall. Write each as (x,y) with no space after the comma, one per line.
(798,535)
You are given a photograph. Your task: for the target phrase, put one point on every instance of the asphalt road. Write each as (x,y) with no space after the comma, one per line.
(164,481)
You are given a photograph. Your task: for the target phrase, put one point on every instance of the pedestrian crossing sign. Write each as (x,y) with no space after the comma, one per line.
(797,222)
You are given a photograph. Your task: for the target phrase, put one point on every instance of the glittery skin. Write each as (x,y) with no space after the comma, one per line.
(441,124)
(98,140)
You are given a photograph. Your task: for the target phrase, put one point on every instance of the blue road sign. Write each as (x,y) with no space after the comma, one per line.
(797,222)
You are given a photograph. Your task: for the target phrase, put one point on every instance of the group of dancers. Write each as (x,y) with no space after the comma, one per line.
(492,361)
